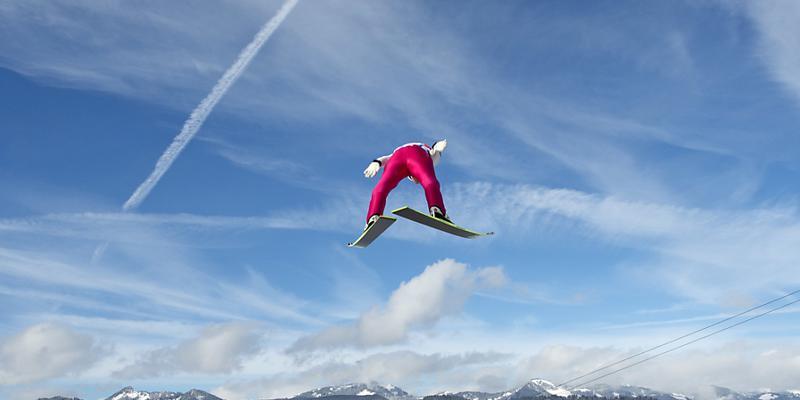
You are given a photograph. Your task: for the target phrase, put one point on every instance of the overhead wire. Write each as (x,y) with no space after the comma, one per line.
(687,343)
(680,338)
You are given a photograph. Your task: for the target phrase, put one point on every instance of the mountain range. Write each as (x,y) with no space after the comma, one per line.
(129,393)
(534,389)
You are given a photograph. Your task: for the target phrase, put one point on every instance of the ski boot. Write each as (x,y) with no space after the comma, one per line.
(436,212)
(371,221)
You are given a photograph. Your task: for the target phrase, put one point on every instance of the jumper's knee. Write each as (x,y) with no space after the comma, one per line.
(430,184)
(379,191)
(382,189)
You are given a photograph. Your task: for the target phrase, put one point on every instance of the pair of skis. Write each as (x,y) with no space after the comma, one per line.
(384,222)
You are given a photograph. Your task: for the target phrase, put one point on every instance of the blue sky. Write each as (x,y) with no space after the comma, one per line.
(638,161)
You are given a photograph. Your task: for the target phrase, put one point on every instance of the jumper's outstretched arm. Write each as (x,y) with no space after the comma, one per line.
(375,165)
(439,146)
(437,149)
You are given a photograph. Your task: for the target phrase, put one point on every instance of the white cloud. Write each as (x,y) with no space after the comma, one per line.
(37,391)
(376,62)
(440,290)
(398,368)
(46,351)
(219,349)
(166,290)
(135,228)
(703,254)
(776,23)
(86,44)
(741,366)
(198,116)
(707,255)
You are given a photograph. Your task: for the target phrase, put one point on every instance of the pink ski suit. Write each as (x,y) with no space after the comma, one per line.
(415,161)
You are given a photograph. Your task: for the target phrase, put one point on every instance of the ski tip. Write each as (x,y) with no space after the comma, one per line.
(395,211)
(479,235)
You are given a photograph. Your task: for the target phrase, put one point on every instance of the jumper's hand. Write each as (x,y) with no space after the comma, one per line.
(440,145)
(411,178)
(372,169)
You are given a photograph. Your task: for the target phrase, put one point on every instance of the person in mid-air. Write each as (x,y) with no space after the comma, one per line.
(414,161)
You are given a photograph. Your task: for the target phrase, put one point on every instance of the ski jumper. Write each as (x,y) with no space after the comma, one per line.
(415,161)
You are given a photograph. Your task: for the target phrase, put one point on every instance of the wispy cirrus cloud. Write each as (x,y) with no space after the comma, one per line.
(777,45)
(202,111)
(205,300)
(91,225)
(693,249)
(419,78)
(706,254)
(349,82)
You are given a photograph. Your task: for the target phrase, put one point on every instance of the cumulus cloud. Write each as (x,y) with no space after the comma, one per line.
(440,290)
(741,366)
(46,351)
(402,368)
(219,349)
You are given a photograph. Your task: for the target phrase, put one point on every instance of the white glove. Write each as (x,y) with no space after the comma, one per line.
(372,169)
(439,146)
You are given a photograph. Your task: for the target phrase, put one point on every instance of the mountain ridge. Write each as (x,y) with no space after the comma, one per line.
(533,389)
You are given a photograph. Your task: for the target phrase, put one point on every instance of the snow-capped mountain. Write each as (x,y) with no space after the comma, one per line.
(612,392)
(59,398)
(389,392)
(542,388)
(469,395)
(727,394)
(129,393)
(536,388)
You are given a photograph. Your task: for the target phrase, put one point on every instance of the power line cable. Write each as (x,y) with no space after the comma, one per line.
(686,344)
(679,338)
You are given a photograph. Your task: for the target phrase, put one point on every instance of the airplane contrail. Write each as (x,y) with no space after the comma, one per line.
(201,112)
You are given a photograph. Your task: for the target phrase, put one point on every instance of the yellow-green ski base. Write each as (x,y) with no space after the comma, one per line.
(437,223)
(372,233)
